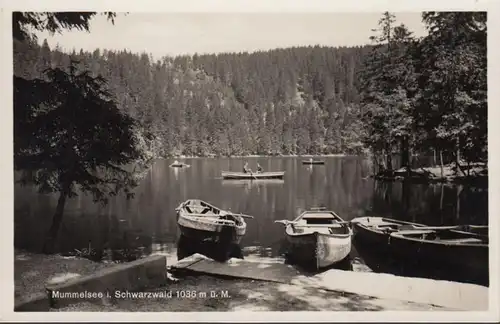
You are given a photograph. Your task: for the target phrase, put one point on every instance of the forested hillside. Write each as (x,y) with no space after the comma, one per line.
(399,96)
(286,101)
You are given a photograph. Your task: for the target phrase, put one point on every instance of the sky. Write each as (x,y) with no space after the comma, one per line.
(170,34)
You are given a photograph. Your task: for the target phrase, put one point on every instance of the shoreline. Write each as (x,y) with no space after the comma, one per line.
(432,174)
(258,156)
(235,295)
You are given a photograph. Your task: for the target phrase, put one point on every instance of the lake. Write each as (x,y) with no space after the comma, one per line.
(147,223)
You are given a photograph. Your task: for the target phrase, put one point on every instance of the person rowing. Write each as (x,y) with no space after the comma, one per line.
(246,169)
(259,168)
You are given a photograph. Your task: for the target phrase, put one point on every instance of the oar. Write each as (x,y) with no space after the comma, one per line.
(239,214)
(218,215)
(243,215)
(287,222)
(437,228)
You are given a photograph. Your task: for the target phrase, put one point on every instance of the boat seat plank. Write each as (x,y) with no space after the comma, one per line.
(318,225)
(318,215)
(414,232)
(204,215)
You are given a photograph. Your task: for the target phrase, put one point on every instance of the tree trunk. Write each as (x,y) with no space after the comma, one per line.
(441,163)
(434,157)
(405,153)
(389,161)
(457,157)
(50,240)
(383,160)
(405,156)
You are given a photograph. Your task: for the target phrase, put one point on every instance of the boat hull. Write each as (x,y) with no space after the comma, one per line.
(209,227)
(473,258)
(252,176)
(468,257)
(179,165)
(313,162)
(318,250)
(200,235)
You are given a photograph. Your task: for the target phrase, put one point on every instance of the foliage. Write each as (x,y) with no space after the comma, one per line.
(23,23)
(70,132)
(453,105)
(429,92)
(387,83)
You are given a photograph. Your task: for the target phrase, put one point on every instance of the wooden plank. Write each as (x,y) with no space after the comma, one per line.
(412,232)
(275,272)
(317,225)
(186,262)
(316,215)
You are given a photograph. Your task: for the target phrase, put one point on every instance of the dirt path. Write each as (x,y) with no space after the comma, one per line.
(204,293)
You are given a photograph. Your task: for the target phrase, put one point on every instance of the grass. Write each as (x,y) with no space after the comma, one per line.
(33,271)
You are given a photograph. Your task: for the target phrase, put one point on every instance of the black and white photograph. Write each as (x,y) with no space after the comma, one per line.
(217,162)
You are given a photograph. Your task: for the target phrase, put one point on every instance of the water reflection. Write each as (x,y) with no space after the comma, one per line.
(216,251)
(248,185)
(435,204)
(147,224)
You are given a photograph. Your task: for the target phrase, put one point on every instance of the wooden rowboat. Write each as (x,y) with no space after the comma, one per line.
(252,176)
(459,246)
(318,238)
(201,221)
(179,165)
(311,162)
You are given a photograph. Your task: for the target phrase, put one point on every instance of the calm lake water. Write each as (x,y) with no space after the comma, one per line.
(147,224)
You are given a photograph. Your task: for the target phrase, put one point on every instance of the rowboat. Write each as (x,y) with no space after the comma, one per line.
(318,238)
(310,162)
(459,246)
(252,175)
(201,221)
(179,165)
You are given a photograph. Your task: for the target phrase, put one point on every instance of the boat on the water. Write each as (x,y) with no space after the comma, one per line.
(318,238)
(179,165)
(252,175)
(312,162)
(464,246)
(201,221)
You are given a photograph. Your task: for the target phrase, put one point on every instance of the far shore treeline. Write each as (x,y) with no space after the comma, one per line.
(79,116)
